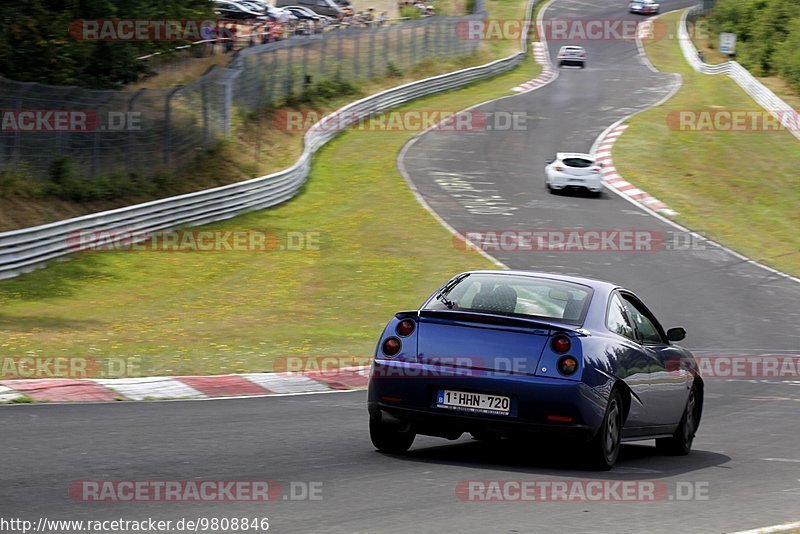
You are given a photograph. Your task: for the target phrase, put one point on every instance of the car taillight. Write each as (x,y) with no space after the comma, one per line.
(561,344)
(567,365)
(391,346)
(405,327)
(595,169)
(559,168)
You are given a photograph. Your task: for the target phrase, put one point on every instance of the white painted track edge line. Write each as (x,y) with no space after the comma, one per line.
(771,529)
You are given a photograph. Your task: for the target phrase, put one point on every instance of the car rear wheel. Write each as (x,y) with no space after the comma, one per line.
(395,439)
(604,448)
(681,442)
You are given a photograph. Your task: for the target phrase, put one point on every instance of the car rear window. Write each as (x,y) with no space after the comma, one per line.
(516,295)
(578,163)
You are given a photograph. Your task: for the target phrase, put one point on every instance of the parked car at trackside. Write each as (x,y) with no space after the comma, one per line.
(304,13)
(514,353)
(229,9)
(322,7)
(572,170)
(275,13)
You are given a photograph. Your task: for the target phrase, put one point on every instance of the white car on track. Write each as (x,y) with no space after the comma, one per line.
(572,170)
(572,56)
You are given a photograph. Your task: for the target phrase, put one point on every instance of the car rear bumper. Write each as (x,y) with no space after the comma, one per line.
(539,405)
(560,181)
(571,61)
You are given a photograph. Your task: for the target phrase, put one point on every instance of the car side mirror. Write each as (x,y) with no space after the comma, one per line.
(549,161)
(676,334)
(601,164)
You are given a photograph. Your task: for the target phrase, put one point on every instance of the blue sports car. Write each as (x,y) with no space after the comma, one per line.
(514,353)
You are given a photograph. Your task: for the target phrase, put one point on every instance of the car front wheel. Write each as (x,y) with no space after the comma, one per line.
(681,442)
(604,448)
(395,439)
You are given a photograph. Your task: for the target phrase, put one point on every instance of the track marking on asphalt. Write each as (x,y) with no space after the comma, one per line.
(790,460)
(149,387)
(7,394)
(770,530)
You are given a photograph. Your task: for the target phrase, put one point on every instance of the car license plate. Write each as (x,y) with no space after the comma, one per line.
(576,179)
(473,402)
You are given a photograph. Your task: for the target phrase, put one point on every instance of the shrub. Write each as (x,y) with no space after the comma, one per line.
(410,12)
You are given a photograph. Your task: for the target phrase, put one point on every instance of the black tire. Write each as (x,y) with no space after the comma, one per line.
(394,439)
(604,447)
(681,441)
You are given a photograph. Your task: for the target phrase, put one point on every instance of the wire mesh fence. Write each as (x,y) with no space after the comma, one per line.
(150,131)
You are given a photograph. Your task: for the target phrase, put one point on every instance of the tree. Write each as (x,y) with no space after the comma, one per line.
(36,45)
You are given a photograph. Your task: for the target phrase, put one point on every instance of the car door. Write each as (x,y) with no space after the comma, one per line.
(667,394)
(629,362)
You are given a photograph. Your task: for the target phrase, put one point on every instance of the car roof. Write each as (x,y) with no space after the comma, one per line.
(591,282)
(564,155)
(571,47)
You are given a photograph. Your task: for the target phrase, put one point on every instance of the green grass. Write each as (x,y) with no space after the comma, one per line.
(213,313)
(740,188)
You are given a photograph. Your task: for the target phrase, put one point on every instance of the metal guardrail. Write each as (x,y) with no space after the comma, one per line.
(30,248)
(779,109)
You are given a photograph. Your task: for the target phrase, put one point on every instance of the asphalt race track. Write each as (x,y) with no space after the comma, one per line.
(745,457)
